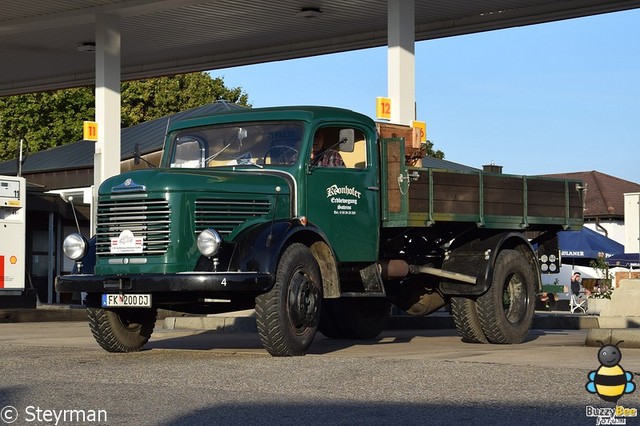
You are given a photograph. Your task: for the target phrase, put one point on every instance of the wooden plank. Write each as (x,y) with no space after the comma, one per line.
(412,140)
(394,197)
(503,195)
(456,193)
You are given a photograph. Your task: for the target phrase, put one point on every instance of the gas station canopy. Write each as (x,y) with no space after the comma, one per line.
(48,44)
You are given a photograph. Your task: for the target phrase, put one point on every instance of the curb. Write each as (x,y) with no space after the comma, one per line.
(629,337)
(217,323)
(48,313)
(246,322)
(55,313)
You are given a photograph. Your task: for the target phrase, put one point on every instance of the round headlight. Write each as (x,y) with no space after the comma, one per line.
(75,246)
(209,242)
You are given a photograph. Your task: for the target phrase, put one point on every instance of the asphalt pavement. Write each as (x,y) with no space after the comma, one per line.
(408,377)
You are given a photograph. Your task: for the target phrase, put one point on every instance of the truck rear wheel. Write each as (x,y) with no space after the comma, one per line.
(122,330)
(465,317)
(506,309)
(287,316)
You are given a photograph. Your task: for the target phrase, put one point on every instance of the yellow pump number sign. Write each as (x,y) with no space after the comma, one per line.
(90,130)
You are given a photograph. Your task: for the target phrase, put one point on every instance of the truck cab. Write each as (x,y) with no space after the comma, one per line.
(337,198)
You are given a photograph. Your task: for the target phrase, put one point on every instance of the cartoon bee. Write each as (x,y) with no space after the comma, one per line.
(610,381)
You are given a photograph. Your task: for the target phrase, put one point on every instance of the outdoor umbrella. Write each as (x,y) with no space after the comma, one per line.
(585,245)
(625,260)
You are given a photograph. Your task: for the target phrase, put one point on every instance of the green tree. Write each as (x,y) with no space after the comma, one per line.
(434,153)
(145,100)
(44,119)
(50,119)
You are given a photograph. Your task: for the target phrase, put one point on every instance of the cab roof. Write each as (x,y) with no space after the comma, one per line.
(300,113)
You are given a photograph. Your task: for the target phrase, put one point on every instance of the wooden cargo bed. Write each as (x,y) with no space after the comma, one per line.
(416,196)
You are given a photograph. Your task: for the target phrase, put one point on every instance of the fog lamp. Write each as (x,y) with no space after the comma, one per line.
(209,242)
(75,246)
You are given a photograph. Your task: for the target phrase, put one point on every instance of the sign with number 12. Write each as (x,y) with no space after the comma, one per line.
(383,108)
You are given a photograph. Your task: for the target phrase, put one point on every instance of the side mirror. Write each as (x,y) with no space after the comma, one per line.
(137,158)
(347,140)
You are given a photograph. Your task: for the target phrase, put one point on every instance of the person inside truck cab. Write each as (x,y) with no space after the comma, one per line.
(323,156)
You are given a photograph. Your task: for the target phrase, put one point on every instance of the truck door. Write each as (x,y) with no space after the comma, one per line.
(342,192)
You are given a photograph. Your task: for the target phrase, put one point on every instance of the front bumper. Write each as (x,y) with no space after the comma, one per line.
(217,282)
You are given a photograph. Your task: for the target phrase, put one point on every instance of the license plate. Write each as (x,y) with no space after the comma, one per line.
(126,300)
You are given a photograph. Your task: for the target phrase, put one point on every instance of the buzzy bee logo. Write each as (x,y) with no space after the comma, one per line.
(610,381)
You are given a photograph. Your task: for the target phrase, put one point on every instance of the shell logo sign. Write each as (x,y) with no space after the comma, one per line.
(9,273)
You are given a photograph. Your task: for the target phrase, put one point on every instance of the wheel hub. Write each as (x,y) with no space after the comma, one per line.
(303,301)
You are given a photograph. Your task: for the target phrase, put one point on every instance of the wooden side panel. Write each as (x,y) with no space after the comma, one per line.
(576,200)
(410,135)
(546,197)
(419,193)
(395,159)
(456,193)
(503,195)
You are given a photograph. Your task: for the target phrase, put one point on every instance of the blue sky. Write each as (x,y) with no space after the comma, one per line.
(551,98)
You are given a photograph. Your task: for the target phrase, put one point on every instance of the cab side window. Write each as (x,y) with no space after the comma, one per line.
(331,148)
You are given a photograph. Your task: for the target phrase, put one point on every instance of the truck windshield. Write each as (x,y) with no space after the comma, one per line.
(261,144)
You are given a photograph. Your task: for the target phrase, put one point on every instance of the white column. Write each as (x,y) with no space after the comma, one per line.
(107,154)
(401,60)
(632,222)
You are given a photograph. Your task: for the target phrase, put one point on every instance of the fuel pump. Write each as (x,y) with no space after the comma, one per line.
(13,215)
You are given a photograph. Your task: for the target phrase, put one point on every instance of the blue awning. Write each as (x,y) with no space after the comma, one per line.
(625,260)
(586,244)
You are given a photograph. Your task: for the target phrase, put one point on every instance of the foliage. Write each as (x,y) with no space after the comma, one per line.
(601,267)
(604,293)
(603,289)
(434,153)
(45,119)
(50,119)
(426,149)
(145,100)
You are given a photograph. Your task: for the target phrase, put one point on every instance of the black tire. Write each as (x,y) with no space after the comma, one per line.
(362,318)
(465,317)
(287,316)
(122,330)
(506,309)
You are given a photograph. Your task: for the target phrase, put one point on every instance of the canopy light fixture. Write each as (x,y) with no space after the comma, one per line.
(87,47)
(310,12)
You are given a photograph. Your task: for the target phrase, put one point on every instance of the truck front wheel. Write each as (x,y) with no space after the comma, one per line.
(506,309)
(287,316)
(122,330)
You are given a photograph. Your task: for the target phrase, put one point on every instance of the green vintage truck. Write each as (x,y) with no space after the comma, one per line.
(244,212)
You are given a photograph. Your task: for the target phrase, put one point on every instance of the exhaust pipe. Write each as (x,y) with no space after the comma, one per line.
(397,268)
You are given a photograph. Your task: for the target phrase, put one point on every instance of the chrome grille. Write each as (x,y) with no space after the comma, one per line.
(226,215)
(146,218)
